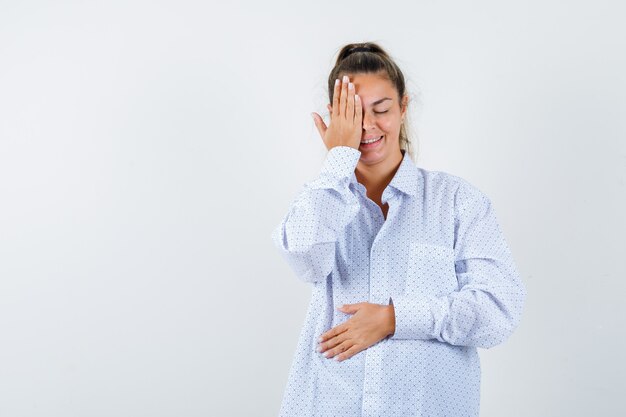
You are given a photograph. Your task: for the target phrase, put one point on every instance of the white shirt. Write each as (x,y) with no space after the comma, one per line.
(439,257)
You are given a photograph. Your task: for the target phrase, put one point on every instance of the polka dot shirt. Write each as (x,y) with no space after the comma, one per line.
(439,257)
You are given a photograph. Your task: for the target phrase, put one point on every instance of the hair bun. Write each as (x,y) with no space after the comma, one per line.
(361,49)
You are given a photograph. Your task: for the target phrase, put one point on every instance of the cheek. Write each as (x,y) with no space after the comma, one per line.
(388,125)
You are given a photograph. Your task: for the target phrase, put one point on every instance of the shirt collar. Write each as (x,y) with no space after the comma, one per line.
(404,180)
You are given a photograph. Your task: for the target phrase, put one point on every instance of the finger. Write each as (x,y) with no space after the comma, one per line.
(358,111)
(319,124)
(338,349)
(335,107)
(342,96)
(333,332)
(334,342)
(353,350)
(350,103)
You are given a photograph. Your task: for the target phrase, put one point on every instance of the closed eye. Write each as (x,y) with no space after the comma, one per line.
(381,112)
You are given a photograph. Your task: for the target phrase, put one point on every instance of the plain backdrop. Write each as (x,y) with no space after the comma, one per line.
(148,149)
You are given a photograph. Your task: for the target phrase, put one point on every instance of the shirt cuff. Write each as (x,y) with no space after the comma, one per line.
(414,317)
(339,165)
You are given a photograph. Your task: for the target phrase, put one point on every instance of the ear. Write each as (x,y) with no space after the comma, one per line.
(405,104)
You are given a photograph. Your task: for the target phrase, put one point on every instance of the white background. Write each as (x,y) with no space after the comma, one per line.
(148,148)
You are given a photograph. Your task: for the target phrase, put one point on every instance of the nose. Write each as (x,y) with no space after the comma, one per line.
(368,121)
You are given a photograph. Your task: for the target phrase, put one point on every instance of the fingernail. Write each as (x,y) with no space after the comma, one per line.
(336,82)
(351,86)
(320,339)
(345,79)
(319,348)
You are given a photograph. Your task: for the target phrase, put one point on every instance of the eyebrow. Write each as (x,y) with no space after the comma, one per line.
(380,101)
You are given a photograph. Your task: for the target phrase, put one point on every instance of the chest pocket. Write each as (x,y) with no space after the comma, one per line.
(431,269)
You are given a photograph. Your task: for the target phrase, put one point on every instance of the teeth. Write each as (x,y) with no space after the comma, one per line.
(373,140)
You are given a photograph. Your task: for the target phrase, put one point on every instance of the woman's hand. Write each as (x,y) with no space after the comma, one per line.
(369,324)
(346,117)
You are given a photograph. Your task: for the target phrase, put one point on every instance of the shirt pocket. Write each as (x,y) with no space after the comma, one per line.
(431,269)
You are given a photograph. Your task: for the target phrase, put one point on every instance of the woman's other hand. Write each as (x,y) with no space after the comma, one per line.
(369,324)
(346,117)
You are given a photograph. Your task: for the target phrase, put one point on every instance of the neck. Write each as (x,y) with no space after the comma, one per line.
(377,176)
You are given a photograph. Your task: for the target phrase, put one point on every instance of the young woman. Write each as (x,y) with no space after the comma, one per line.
(409,268)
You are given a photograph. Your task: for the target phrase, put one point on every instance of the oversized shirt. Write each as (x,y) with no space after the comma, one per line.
(439,257)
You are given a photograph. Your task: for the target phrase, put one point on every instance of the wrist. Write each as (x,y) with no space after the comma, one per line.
(391,320)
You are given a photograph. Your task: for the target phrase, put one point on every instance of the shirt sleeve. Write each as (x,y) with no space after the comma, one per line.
(307,235)
(488,305)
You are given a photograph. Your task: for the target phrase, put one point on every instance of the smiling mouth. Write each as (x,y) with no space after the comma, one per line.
(372,141)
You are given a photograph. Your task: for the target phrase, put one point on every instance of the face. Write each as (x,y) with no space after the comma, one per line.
(382,116)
